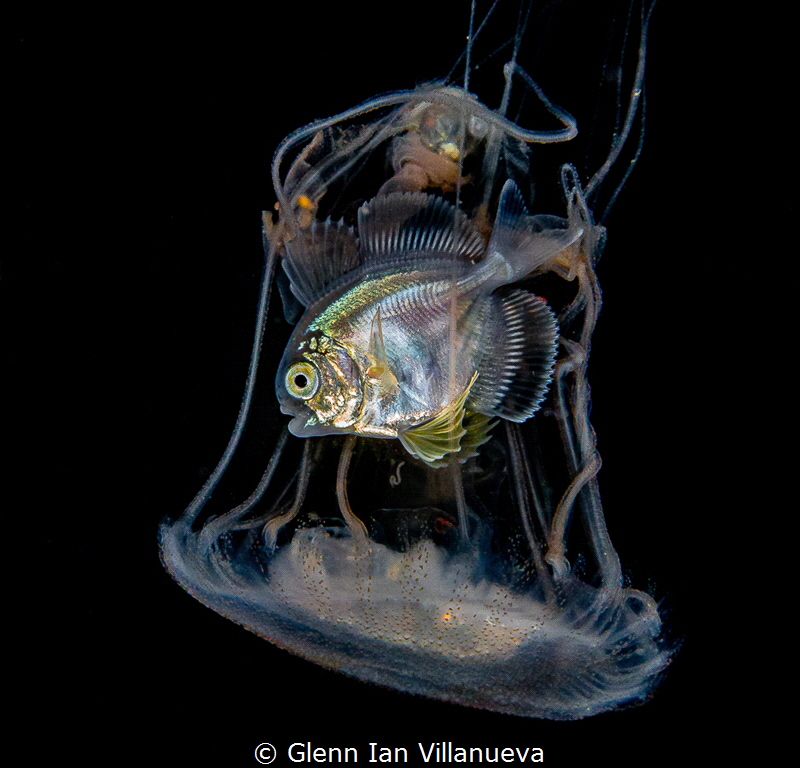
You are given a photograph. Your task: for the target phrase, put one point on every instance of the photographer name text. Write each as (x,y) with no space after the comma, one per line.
(431,752)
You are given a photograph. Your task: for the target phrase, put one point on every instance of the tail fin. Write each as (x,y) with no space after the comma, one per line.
(526,242)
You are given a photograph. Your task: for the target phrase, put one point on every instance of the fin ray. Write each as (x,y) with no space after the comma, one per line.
(477,426)
(440,436)
(380,371)
(526,242)
(513,380)
(318,256)
(408,226)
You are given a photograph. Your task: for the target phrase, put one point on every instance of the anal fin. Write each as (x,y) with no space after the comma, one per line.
(513,379)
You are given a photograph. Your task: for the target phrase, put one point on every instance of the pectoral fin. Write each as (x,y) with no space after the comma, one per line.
(379,370)
(377,349)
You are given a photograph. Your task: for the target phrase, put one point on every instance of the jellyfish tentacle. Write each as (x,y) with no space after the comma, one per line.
(470,43)
(461,503)
(556,544)
(308,131)
(585,441)
(601,218)
(199,501)
(572,409)
(274,526)
(534,485)
(473,36)
(571,393)
(315,181)
(570,129)
(214,530)
(357,527)
(621,137)
(567,365)
(518,473)
(508,68)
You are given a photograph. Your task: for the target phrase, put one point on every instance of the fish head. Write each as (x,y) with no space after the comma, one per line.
(319,384)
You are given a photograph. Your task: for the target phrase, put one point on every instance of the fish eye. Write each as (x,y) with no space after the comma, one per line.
(302,380)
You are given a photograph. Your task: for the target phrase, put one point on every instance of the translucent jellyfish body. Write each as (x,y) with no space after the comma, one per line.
(447,574)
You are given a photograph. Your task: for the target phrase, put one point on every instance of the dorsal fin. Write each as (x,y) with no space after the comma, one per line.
(513,378)
(292,308)
(407,226)
(318,256)
(435,439)
(526,242)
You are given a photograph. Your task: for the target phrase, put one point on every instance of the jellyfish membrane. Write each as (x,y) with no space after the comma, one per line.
(457,583)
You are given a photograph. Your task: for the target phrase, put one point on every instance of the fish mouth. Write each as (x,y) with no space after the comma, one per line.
(301,416)
(299,426)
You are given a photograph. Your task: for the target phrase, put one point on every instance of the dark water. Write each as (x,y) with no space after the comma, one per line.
(148,140)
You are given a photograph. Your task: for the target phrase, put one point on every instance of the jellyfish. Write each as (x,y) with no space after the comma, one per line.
(430,518)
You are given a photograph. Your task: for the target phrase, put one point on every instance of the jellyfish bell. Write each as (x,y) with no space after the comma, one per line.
(438,558)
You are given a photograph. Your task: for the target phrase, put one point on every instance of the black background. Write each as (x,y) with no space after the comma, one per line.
(145,140)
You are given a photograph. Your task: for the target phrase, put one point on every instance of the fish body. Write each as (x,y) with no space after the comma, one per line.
(416,381)
(415,342)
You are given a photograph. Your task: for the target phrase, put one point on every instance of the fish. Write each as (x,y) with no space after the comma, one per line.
(423,341)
